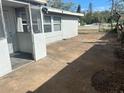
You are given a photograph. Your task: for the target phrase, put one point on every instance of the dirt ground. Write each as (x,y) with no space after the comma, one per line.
(76,65)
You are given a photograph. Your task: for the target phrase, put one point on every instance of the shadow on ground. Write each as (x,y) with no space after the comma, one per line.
(96,71)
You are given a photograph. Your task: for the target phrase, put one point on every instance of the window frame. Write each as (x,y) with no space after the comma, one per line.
(47,24)
(24,19)
(24,22)
(57,23)
(35,22)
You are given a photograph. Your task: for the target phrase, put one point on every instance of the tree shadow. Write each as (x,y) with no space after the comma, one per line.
(78,76)
(112,80)
(105,81)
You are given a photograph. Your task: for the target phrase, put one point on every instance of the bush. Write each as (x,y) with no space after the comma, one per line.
(114,30)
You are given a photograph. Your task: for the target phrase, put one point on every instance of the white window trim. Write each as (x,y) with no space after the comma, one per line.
(47,23)
(52,23)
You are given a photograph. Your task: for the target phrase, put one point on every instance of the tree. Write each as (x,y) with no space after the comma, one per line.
(90,10)
(60,4)
(79,9)
(116,6)
(89,17)
(97,17)
(67,6)
(119,5)
(55,3)
(112,10)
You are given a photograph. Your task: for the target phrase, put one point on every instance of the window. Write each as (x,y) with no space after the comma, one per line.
(1,24)
(36,20)
(57,23)
(47,24)
(23,23)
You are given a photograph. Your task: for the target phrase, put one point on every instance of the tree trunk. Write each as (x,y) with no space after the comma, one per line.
(112,9)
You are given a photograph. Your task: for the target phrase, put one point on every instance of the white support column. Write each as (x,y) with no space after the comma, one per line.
(4,28)
(32,33)
(31,19)
(5,63)
(38,39)
(42,18)
(52,23)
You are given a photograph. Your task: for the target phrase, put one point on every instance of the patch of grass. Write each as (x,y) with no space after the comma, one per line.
(105,30)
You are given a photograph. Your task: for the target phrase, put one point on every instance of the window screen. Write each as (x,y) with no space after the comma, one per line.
(57,23)
(47,24)
(36,20)
(47,28)
(23,22)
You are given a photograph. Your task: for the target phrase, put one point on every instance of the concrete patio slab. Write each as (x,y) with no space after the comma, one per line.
(68,68)
(19,59)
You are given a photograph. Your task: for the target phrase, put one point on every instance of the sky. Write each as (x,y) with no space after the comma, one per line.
(98,5)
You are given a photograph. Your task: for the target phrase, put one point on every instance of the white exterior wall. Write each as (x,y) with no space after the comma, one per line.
(5,63)
(69,26)
(53,36)
(24,42)
(39,46)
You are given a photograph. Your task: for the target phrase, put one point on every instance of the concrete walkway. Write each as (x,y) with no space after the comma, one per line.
(68,68)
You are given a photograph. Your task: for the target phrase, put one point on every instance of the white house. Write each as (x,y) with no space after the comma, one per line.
(27,26)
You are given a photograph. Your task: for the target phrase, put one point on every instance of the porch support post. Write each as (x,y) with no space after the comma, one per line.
(52,24)
(4,28)
(38,39)
(5,63)
(32,33)
(42,18)
(31,19)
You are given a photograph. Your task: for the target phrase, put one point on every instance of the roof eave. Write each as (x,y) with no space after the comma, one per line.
(54,10)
